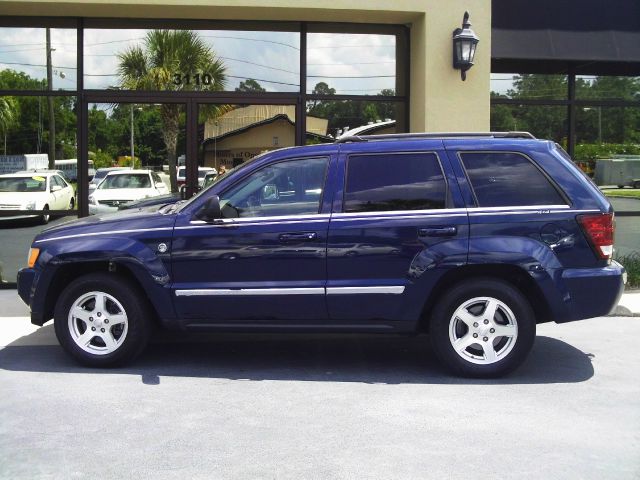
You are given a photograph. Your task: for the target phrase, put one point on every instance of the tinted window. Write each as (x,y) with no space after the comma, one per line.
(508,179)
(293,187)
(394,182)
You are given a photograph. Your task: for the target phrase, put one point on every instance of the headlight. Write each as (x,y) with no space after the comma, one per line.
(30,206)
(92,200)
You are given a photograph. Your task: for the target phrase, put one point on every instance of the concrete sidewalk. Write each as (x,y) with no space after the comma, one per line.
(12,306)
(629,305)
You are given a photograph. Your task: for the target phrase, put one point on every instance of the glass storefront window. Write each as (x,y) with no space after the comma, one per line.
(591,87)
(130,146)
(543,121)
(352,117)
(246,61)
(597,124)
(529,86)
(235,134)
(33,196)
(351,64)
(23,58)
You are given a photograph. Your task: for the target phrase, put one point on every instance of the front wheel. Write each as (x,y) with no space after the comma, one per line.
(100,321)
(482,328)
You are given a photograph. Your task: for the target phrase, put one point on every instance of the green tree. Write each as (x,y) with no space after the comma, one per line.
(250,85)
(169,60)
(8,116)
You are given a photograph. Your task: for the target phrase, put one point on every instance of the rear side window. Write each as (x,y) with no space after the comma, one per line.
(379,182)
(508,179)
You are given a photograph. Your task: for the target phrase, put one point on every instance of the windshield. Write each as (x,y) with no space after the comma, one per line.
(202,173)
(23,184)
(182,171)
(127,180)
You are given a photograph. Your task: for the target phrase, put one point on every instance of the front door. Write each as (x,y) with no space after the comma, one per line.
(265,261)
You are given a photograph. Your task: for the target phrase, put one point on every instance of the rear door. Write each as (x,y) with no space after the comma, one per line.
(398,224)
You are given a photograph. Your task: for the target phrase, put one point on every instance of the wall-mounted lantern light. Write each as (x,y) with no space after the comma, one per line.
(464,47)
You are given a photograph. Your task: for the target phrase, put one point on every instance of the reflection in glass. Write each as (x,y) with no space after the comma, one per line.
(250,61)
(137,136)
(351,64)
(607,87)
(244,131)
(348,117)
(23,59)
(542,121)
(529,86)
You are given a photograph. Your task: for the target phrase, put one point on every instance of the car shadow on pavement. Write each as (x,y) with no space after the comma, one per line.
(313,358)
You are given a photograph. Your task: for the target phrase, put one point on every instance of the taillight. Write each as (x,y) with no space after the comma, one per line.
(599,229)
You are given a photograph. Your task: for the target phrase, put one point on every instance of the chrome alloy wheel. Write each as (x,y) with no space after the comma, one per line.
(98,323)
(483,330)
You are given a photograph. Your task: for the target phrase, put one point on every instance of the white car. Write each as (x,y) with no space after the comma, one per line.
(202,171)
(123,186)
(35,191)
(100,174)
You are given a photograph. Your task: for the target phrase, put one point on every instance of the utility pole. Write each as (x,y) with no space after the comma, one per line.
(52,118)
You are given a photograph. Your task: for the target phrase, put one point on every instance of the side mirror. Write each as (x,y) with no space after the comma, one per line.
(56,188)
(210,211)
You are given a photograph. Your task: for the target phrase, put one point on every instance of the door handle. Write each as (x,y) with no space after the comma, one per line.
(438,231)
(297,237)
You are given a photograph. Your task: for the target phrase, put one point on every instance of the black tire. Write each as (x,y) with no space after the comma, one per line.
(636,184)
(72,203)
(44,218)
(511,351)
(136,310)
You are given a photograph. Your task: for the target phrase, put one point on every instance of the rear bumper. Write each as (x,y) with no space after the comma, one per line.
(592,292)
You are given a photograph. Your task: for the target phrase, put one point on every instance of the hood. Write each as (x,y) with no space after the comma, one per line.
(133,220)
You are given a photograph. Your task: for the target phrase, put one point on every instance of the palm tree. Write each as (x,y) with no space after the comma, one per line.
(8,116)
(162,64)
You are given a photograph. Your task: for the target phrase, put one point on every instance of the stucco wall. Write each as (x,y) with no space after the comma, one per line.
(440,101)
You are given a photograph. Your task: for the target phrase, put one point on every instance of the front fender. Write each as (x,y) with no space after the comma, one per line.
(148,268)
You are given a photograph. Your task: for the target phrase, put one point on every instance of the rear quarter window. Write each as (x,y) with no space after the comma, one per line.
(504,179)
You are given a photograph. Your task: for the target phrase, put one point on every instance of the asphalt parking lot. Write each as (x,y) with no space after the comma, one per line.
(258,406)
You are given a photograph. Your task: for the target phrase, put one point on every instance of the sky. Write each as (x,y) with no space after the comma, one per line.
(351,63)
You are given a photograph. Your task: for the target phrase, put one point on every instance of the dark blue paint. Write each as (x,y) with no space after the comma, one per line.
(395,251)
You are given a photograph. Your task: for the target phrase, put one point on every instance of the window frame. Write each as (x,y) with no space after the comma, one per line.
(447,202)
(551,181)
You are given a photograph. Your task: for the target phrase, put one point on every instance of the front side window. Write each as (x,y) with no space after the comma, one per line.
(293,187)
(379,182)
(508,179)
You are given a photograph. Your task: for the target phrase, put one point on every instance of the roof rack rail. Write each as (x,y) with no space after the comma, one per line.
(397,136)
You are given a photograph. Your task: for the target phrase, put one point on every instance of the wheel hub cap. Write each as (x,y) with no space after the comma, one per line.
(483,330)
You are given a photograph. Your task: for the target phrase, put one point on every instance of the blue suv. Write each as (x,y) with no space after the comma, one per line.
(471,238)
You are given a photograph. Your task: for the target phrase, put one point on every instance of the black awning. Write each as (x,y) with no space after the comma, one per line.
(594,36)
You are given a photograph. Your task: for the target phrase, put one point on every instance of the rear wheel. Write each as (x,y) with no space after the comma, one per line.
(482,328)
(100,321)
